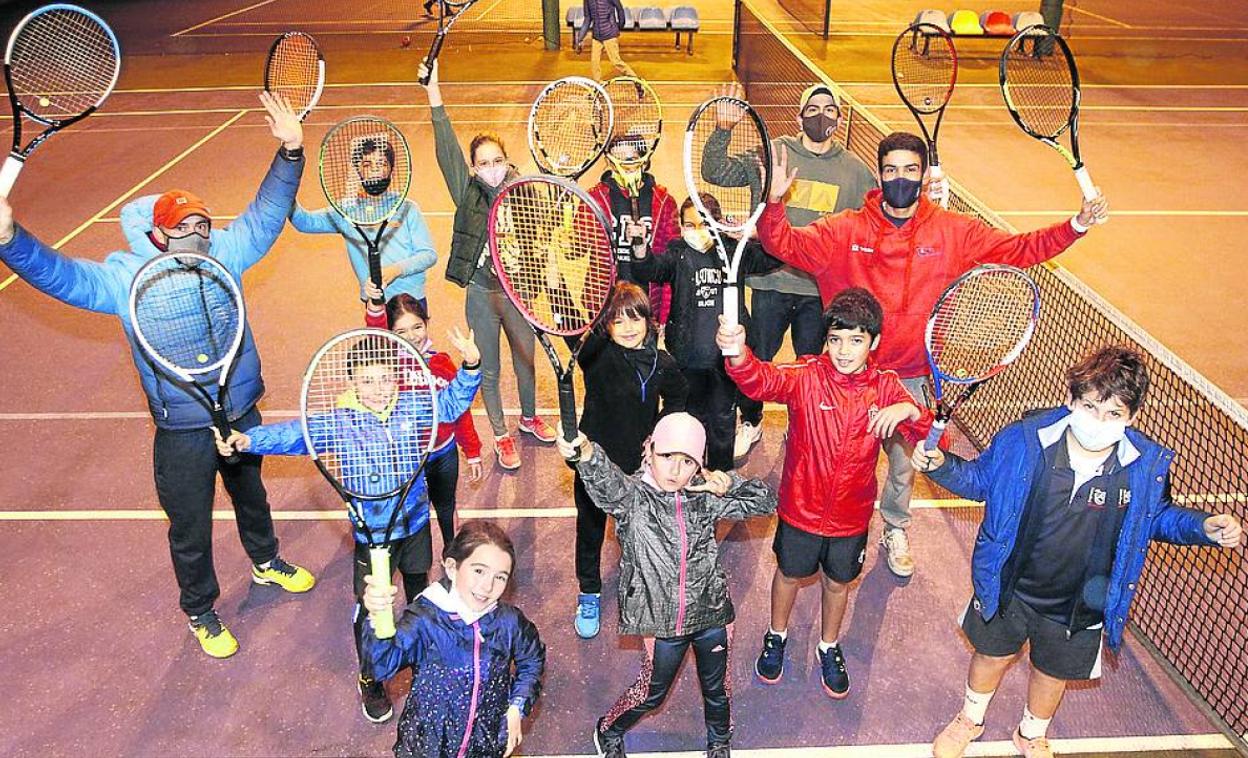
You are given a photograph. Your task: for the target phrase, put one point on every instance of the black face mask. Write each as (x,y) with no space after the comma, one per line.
(901,192)
(818,127)
(377,186)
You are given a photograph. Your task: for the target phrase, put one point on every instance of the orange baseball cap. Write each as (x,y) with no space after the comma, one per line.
(175,205)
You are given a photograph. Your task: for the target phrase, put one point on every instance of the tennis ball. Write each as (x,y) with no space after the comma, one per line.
(406,41)
(202,357)
(44,102)
(927,101)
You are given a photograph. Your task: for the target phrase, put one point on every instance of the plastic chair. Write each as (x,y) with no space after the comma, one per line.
(934,17)
(965,23)
(651,18)
(997,23)
(576,15)
(684,18)
(630,18)
(1027,18)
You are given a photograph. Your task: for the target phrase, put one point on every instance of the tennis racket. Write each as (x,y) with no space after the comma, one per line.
(638,125)
(553,254)
(457,9)
(61,63)
(570,125)
(366,171)
(187,313)
(295,69)
(370,418)
(978,327)
(925,70)
(1041,90)
(728,156)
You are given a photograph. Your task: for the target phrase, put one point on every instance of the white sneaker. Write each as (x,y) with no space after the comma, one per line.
(897,549)
(747,435)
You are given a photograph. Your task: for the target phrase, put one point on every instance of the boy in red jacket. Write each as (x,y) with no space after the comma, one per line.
(840,407)
(906,249)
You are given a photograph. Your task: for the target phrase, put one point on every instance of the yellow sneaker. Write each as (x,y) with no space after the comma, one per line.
(213,637)
(288,576)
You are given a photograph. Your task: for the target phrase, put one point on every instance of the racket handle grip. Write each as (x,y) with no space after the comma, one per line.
(567,413)
(8,174)
(374,273)
(936,173)
(379,567)
(1087,187)
(933,436)
(223,428)
(732,307)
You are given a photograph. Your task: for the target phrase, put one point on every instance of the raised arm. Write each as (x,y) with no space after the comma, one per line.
(449,154)
(320,221)
(744,499)
(82,284)
(756,378)
(610,488)
(656,268)
(983,243)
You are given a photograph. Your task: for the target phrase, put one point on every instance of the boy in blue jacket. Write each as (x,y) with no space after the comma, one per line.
(376,408)
(185,461)
(1072,497)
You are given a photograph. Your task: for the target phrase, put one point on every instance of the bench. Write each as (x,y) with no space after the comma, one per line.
(681,19)
(989,24)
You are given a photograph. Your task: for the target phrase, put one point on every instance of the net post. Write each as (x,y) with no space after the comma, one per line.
(550,23)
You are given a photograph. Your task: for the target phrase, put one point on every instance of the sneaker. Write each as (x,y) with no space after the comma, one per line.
(587,615)
(747,435)
(508,454)
(954,738)
(719,750)
(897,549)
(835,677)
(288,576)
(770,663)
(213,637)
(374,701)
(538,428)
(608,745)
(1037,748)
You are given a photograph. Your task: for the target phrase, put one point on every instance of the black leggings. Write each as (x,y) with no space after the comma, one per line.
(411,556)
(442,477)
(658,672)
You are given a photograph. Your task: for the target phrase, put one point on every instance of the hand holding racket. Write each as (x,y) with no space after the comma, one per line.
(925,70)
(978,327)
(60,65)
(457,9)
(295,69)
(570,124)
(1041,91)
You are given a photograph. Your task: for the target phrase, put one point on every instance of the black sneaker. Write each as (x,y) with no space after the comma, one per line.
(718,750)
(835,677)
(770,663)
(375,702)
(607,744)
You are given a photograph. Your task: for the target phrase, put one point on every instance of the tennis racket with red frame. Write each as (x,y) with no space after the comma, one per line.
(978,327)
(552,250)
(60,65)
(925,70)
(295,69)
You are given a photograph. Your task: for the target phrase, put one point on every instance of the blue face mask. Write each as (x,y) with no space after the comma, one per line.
(901,192)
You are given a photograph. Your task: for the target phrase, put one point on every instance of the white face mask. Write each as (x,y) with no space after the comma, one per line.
(1094,434)
(493,175)
(698,239)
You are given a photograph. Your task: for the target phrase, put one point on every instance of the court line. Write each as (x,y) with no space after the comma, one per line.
(1082,85)
(1079,38)
(1115,22)
(222,17)
(499,30)
(1083,108)
(276,413)
(128,193)
(413,83)
(1216,214)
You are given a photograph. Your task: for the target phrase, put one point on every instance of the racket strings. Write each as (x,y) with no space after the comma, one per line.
(366,169)
(1039,85)
(925,68)
(570,124)
(727,163)
(63,62)
(554,254)
(294,70)
(369,411)
(981,324)
(189,315)
(638,115)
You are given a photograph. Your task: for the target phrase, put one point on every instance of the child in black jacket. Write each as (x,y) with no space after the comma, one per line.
(696,271)
(626,376)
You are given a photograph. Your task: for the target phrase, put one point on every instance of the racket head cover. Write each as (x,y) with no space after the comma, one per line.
(739,184)
(365,169)
(552,249)
(1040,82)
(61,63)
(925,68)
(981,323)
(295,69)
(369,412)
(187,313)
(570,124)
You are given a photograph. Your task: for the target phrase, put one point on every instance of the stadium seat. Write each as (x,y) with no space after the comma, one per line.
(1027,18)
(997,23)
(684,18)
(965,23)
(576,15)
(651,18)
(630,18)
(936,18)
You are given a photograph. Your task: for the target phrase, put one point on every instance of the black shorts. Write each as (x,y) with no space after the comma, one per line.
(800,554)
(1052,652)
(411,555)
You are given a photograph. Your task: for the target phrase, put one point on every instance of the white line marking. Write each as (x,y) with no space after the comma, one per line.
(993,85)
(1107,19)
(222,17)
(274,412)
(412,83)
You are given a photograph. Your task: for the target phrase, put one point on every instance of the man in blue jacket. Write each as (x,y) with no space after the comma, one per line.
(185,460)
(1072,497)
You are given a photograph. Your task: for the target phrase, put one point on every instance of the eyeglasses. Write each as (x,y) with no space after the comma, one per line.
(828,110)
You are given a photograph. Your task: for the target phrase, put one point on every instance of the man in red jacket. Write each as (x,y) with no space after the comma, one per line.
(840,407)
(906,250)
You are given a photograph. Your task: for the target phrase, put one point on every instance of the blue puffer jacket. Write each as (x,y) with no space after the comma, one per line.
(373,432)
(105,288)
(1002,477)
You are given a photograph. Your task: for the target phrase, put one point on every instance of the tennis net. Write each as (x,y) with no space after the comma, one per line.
(1191,604)
(815,15)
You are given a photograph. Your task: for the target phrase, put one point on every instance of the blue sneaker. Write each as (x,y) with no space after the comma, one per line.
(835,677)
(770,663)
(587,615)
